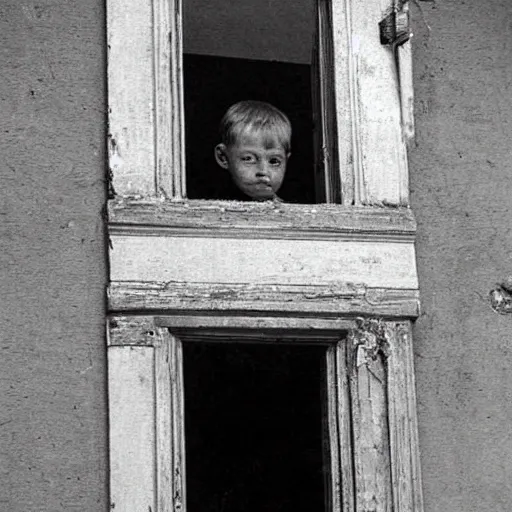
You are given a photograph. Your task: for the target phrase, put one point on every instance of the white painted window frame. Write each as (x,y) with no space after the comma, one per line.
(182,270)
(372,94)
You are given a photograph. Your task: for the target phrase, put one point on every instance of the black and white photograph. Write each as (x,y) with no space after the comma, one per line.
(255,256)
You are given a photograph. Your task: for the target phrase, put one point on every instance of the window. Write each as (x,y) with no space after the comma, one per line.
(253,425)
(197,277)
(362,100)
(369,431)
(247,51)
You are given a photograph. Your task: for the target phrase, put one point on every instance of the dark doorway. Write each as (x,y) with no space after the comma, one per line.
(212,84)
(253,427)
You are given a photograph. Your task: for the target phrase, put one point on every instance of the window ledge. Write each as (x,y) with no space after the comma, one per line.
(272,220)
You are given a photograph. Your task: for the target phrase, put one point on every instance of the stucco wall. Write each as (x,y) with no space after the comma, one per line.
(461,179)
(53,426)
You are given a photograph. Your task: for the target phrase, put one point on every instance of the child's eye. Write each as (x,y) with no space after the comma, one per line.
(248,158)
(275,161)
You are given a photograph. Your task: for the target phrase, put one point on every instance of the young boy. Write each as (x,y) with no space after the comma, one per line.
(255,148)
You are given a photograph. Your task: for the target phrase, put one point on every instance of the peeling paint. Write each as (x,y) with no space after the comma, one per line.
(370,340)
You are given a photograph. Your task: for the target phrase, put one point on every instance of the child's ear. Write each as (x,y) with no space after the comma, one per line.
(221,156)
(288,155)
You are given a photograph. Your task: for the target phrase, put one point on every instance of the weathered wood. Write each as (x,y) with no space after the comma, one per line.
(287,262)
(132,330)
(405,467)
(254,328)
(170,439)
(330,434)
(345,426)
(169,118)
(327,177)
(164,424)
(407,95)
(347,119)
(324,300)
(388,475)
(145,82)
(177,393)
(146,415)
(132,428)
(368,386)
(339,430)
(257,220)
(135,330)
(404,69)
(131,86)
(372,152)
(370,400)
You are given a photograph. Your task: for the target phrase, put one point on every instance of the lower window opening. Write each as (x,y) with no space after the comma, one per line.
(253,427)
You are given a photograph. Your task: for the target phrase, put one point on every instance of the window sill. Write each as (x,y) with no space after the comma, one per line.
(269,220)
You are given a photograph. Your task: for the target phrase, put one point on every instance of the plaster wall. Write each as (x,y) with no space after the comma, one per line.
(461,184)
(53,426)
(53,407)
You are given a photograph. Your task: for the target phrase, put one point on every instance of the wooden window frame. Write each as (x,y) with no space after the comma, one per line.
(181,270)
(364,134)
(373,456)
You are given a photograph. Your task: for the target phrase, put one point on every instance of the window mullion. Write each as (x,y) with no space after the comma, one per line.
(168,84)
(170,439)
(327,175)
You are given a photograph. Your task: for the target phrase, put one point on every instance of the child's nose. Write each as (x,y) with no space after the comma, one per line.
(263,170)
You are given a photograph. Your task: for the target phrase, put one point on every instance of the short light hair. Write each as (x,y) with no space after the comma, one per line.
(255,115)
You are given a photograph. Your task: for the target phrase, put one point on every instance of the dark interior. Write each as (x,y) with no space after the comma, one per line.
(212,84)
(253,427)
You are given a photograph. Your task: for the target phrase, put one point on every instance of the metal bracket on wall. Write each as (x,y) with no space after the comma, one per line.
(395,31)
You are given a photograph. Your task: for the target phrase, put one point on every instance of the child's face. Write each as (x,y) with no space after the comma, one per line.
(256,162)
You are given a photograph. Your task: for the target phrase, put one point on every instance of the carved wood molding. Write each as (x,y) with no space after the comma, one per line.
(331,300)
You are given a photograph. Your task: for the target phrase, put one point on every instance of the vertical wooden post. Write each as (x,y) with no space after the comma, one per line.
(367,367)
(386,456)
(170,440)
(371,139)
(338,432)
(405,463)
(132,428)
(327,175)
(145,82)
(147,446)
